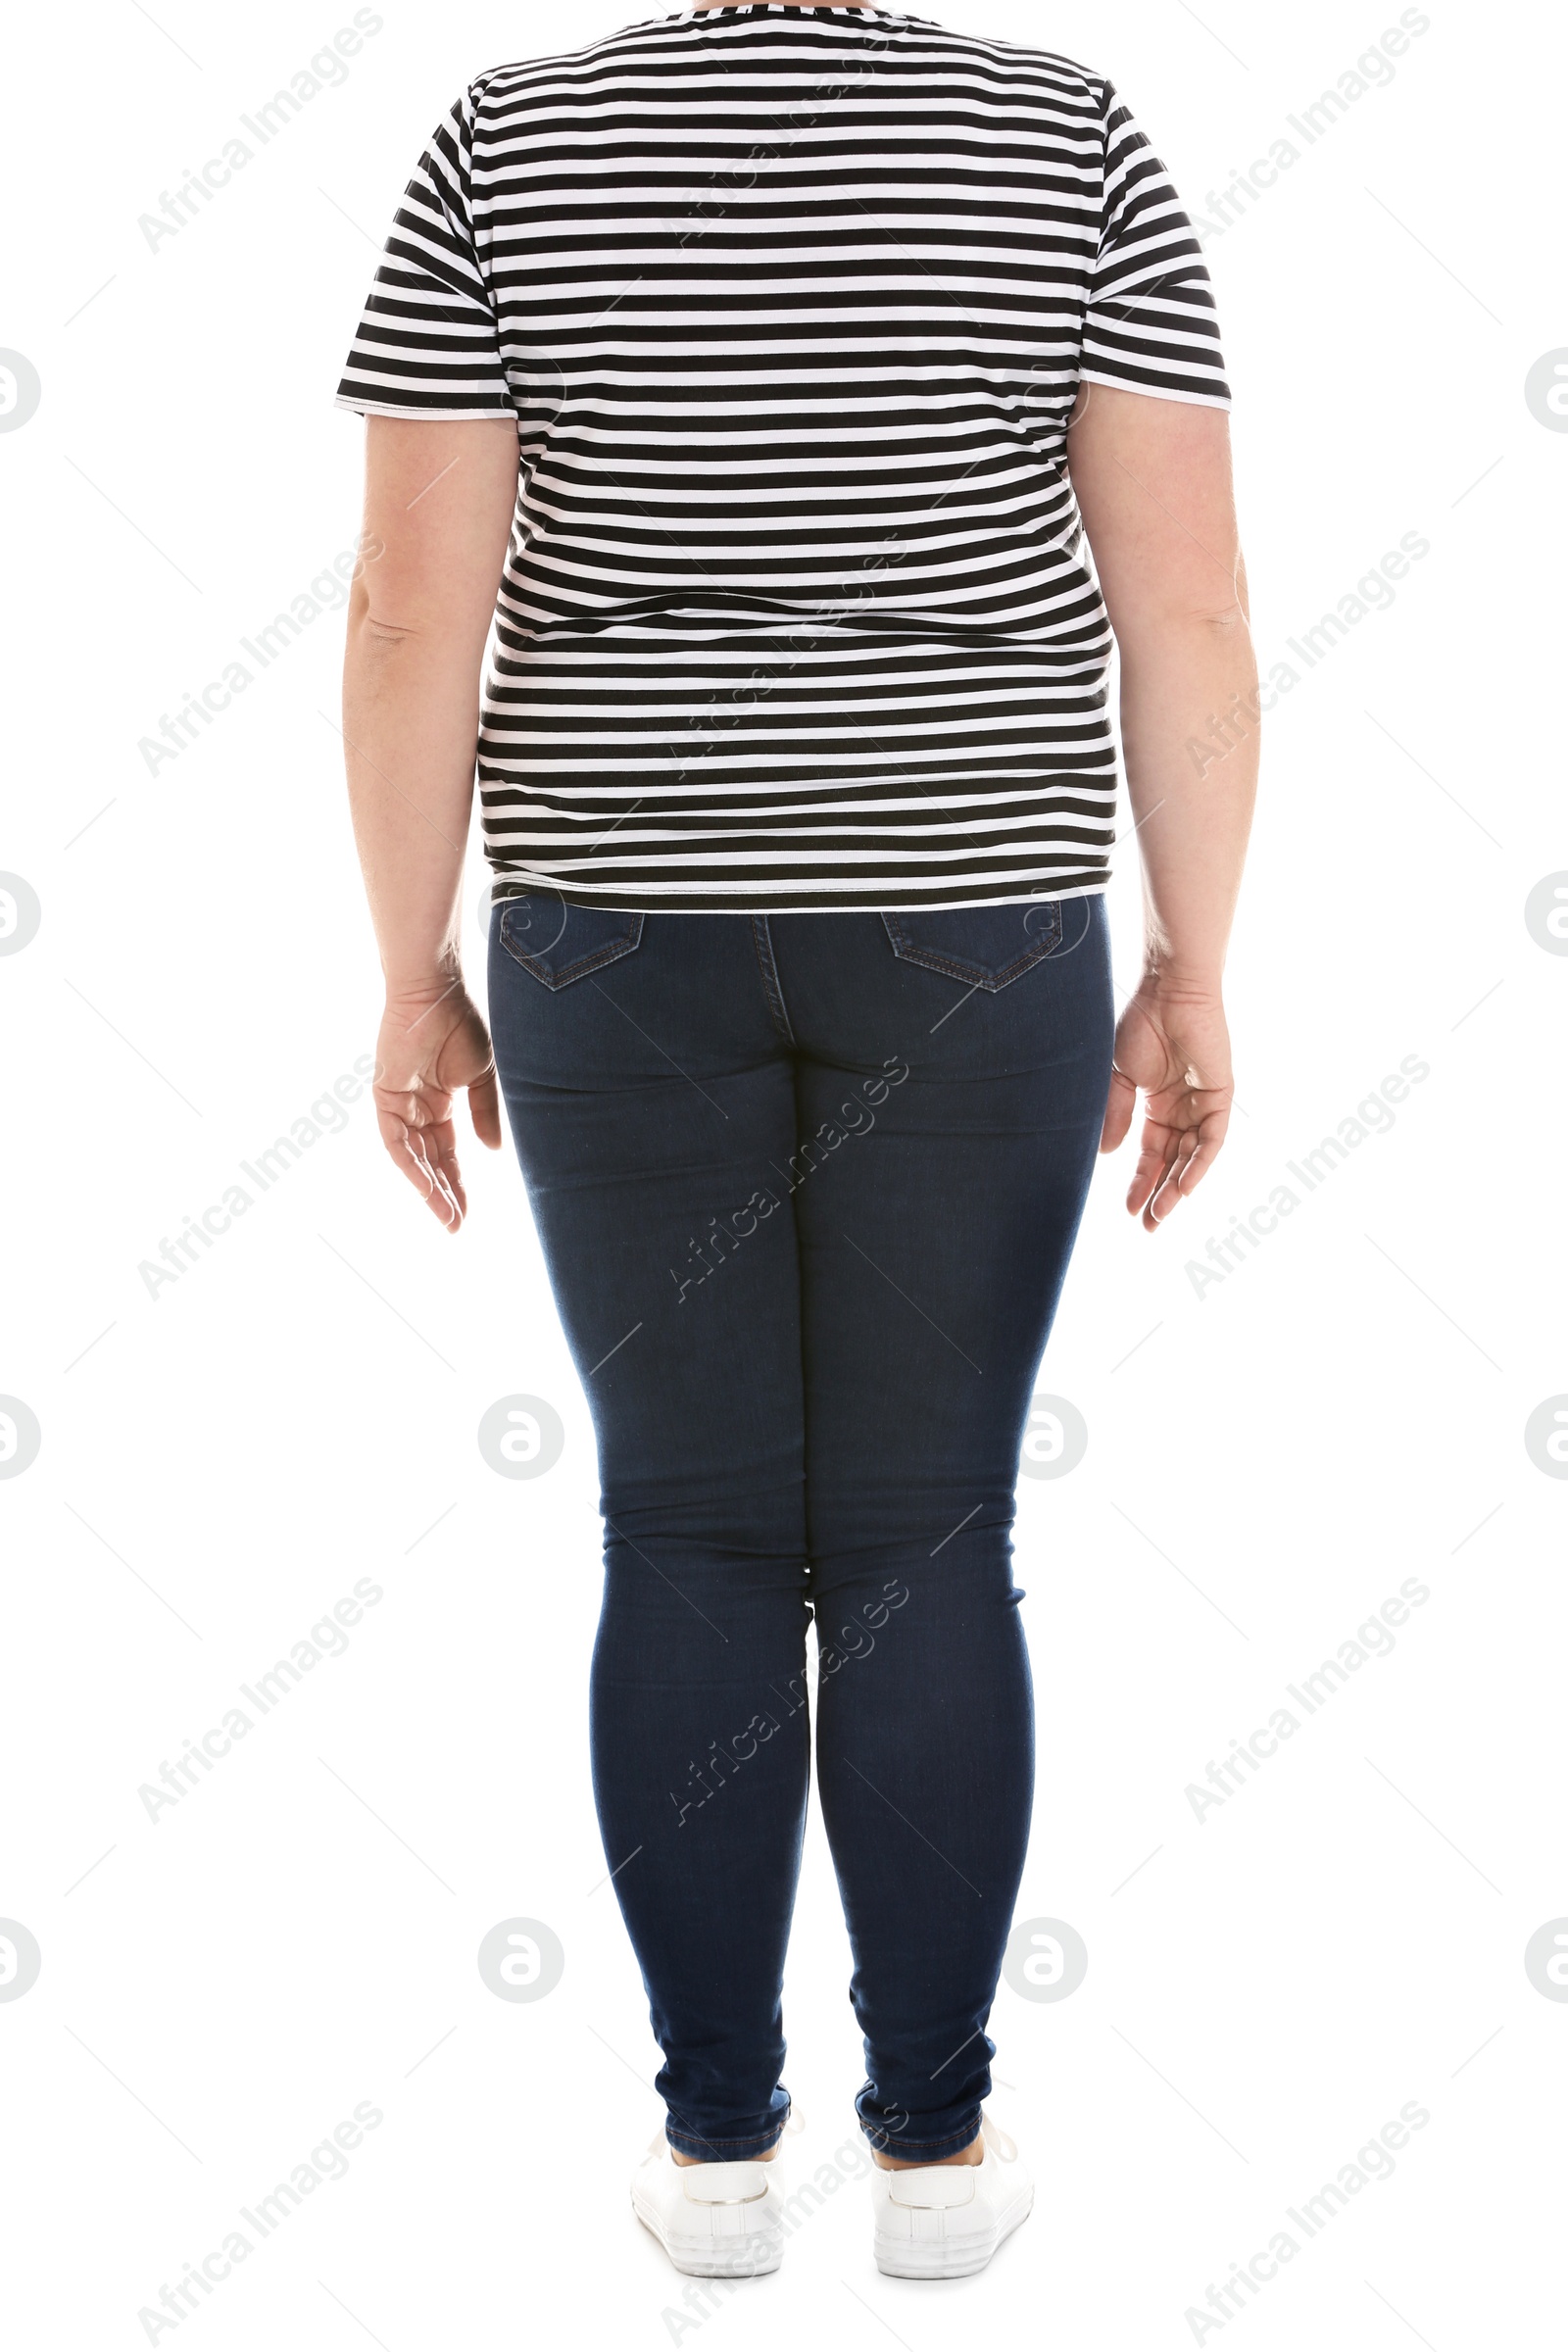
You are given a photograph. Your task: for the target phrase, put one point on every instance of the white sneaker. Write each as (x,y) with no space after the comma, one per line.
(945,2221)
(715,2220)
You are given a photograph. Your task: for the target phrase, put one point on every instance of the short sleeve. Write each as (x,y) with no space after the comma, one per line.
(1151,324)
(427,343)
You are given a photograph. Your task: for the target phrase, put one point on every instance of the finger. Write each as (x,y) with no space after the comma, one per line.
(426,1176)
(484,1109)
(396,1134)
(1170,1188)
(451,1175)
(1200,1147)
(445,1205)
(1210,1141)
(438,1144)
(406,1146)
(1118,1111)
(455,1202)
(1157,1149)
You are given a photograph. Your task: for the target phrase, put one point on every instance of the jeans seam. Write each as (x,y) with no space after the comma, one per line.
(897,2144)
(752,2139)
(763,942)
(749,2142)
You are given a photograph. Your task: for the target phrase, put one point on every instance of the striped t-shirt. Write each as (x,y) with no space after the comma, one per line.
(791,306)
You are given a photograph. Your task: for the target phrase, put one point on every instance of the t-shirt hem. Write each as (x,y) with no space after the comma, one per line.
(763,902)
(1124,383)
(387,408)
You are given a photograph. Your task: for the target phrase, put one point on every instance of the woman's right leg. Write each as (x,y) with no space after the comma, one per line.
(652,1101)
(934,1236)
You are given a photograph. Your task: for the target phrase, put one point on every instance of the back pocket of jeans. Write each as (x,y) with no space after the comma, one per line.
(558,943)
(985,946)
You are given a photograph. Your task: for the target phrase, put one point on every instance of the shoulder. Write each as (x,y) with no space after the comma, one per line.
(498,86)
(1012,68)
(1047,69)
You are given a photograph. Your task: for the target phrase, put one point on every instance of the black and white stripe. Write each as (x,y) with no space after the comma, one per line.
(791,306)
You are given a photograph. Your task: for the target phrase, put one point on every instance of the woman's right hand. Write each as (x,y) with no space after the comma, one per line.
(1172,1043)
(433,1042)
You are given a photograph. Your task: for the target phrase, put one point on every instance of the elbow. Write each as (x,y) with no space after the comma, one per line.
(1156,606)
(1213,609)
(1219,631)
(1162,627)
(382,634)
(1220,642)
(388,636)
(1222,623)
(371,626)
(1229,615)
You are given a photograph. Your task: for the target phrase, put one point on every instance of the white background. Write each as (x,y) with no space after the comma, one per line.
(219,1463)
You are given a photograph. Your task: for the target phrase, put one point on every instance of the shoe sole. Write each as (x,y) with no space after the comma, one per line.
(944,2258)
(749,2257)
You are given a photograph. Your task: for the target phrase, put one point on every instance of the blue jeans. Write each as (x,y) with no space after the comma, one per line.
(807,1186)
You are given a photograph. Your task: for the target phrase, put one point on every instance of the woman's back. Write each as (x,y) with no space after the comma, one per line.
(792,310)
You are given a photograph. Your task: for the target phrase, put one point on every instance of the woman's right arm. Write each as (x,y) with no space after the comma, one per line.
(1152,480)
(439,496)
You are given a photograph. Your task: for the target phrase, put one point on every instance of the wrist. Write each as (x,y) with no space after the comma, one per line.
(1182,983)
(422,961)
(421,987)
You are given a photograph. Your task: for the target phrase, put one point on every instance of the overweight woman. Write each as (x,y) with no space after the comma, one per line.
(809,395)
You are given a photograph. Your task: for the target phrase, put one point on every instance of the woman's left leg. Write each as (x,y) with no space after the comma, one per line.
(652,1103)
